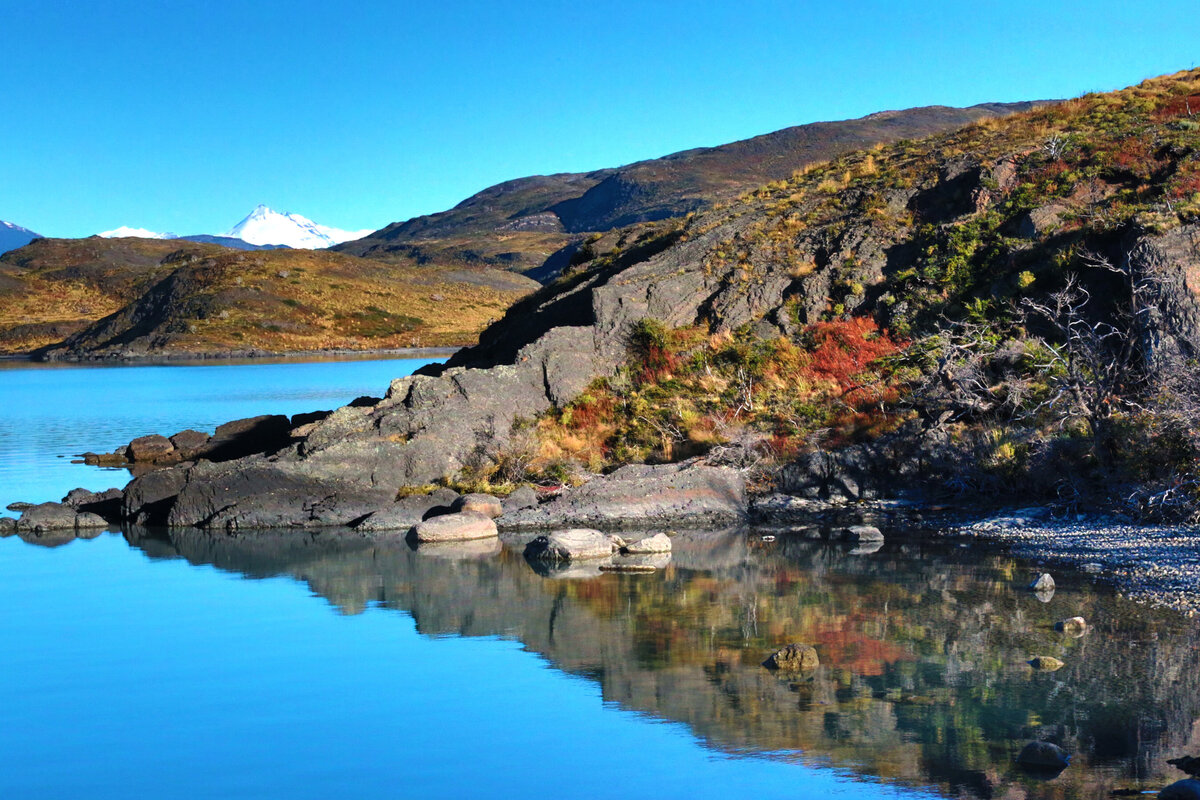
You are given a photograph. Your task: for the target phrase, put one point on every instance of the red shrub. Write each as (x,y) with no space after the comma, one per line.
(1176,107)
(842,350)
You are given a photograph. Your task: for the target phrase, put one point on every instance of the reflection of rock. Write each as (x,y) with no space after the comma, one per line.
(1043,756)
(1075,626)
(916,643)
(1043,583)
(648,562)
(866,548)
(476,548)
(455,527)
(1046,663)
(861,534)
(793,658)
(1187,789)
(576,544)
(568,570)
(1044,595)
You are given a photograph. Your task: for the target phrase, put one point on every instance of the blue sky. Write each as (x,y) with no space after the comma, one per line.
(183,116)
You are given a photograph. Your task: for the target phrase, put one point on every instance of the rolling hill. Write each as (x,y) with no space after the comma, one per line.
(536,224)
(109,298)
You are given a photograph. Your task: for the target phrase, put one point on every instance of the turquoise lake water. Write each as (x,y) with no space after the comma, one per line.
(321,664)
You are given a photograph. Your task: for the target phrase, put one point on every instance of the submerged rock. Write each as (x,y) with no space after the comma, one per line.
(1075,626)
(1046,663)
(577,544)
(457,527)
(793,658)
(1043,756)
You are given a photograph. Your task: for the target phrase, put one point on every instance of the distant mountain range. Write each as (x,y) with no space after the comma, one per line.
(13,236)
(262,228)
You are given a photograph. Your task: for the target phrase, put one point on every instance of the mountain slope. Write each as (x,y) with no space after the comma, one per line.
(264,226)
(13,236)
(110,297)
(525,223)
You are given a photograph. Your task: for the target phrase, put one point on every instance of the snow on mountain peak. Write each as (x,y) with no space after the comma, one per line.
(13,236)
(124,232)
(264,225)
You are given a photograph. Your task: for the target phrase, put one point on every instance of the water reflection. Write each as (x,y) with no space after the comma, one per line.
(923,679)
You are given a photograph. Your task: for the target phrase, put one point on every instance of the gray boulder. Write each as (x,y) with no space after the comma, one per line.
(8,526)
(106,504)
(644,496)
(458,527)
(482,503)
(522,498)
(658,543)
(577,544)
(793,658)
(1043,756)
(47,517)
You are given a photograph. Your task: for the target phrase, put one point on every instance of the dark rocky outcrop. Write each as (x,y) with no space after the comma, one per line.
(643,496)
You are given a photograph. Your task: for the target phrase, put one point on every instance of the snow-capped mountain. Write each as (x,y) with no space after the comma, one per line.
(14,236)
(124,232)
(265,226)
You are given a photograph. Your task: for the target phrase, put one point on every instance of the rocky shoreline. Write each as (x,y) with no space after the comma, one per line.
(1154,564)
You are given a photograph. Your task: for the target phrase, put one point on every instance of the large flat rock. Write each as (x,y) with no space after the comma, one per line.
(643,496)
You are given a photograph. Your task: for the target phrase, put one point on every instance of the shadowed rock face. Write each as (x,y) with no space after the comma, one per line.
(922,674)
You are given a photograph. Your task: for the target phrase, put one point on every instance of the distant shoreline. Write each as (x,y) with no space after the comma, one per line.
(254,356)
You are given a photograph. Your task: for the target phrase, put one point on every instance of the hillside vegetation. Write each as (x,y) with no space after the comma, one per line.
(120,297)
(1008,307)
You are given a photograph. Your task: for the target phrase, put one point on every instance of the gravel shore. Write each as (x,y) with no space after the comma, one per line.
(1155,564)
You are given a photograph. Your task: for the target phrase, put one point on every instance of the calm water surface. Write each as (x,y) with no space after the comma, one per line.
(318,664)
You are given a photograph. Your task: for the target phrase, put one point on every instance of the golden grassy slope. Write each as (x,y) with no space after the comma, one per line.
(271,300)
